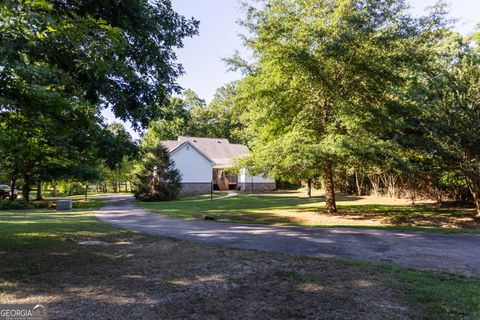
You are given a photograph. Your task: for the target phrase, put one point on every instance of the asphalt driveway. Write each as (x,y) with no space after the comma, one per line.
(423,250)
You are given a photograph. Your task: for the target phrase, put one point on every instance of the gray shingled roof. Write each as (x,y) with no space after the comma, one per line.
(220,151)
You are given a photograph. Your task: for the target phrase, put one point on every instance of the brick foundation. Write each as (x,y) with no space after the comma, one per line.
(194,188)
(257,187)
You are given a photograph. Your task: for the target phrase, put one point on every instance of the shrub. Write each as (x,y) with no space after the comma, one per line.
(44,205)
(14,205)
(165,185)
(69,188)
(76,188)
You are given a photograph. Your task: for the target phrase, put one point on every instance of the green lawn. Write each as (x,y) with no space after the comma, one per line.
(216,194)
(293,208)
(46,228)
(41,261)
(47,195)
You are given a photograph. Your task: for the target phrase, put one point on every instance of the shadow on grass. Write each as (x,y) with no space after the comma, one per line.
(294,210)
(169,279)
(413,215)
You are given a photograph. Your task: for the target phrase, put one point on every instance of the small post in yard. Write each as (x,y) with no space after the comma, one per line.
(251,187)
(211,190)
(86,191)
(117,183)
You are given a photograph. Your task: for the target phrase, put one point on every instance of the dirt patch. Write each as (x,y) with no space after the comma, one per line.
(146,277)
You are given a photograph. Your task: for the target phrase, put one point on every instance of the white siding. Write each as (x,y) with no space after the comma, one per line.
(193,166)
(244,177)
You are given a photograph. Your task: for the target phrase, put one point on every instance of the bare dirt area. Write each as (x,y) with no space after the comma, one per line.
(137,276)
(81,268)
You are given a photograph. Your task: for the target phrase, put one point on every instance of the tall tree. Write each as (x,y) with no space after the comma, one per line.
(62,62)
(115,144)
(453,110)
(157,179)
(332,71)
(189,115)
(108,53)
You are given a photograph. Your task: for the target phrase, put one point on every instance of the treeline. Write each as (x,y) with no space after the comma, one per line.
(359,98)
(400,186)
(189,115)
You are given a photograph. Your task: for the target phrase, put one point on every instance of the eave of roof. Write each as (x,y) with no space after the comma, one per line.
(193,146)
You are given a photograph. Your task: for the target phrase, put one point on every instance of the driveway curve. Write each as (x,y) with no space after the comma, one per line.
(422,250)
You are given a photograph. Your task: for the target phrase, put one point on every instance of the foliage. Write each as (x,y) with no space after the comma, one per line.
(329,82)
(157,180)
(453,111)
(61,63)
(105,53)
(14,205)
(191,116)
(44,204)
(116,145)
(72,188)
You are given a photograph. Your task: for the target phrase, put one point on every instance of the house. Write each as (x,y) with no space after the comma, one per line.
(202,162)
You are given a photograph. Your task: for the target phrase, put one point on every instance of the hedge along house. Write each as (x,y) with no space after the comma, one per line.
(203,161)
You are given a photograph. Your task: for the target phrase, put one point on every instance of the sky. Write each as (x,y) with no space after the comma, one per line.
(218,38)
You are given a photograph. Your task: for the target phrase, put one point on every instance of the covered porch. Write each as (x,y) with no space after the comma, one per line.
(224,180)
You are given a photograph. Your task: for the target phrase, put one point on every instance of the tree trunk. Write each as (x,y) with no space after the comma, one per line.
(375,182)
(39,190)
(329,189)
(477,206)
(413,190)
(473,182)
(438,195)
(413,195)
(54,189)
(389,180)
(475,191)
(359,184)
(86,191)
(13,180)
(309,188)
(26,186)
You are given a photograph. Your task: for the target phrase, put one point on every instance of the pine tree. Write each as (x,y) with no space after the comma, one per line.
(157,180)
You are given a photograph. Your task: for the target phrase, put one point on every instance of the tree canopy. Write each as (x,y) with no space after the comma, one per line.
(330,81)
(189,115)
(63,62)
(104,53)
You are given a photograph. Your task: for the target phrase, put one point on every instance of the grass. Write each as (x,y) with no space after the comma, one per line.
(432,290)
(46,228)
(41,261)
(216,194)
(94,195)
(293,208)
(90,194)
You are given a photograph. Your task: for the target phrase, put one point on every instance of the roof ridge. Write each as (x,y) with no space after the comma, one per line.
(204,138)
